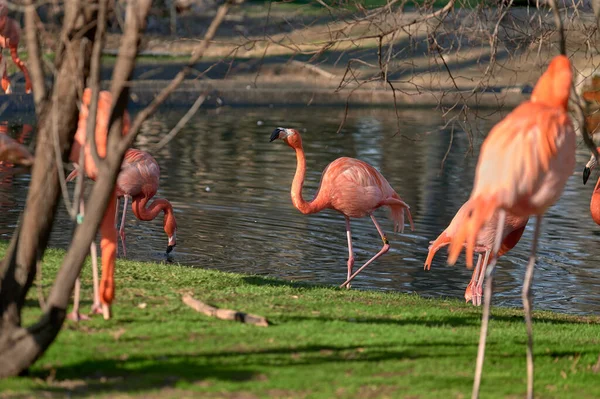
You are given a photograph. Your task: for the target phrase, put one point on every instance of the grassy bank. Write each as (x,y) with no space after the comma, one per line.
(324,342)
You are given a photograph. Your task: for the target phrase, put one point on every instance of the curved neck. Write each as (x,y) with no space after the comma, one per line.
(143,212)
(305,207)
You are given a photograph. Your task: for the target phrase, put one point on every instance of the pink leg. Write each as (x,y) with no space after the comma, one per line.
(75,315)
(122,228)
(479,287)
(22,67)
(5,81)
(384,249)
(527,297)
(350,252)
(485,318)
(470,291)
(96,308)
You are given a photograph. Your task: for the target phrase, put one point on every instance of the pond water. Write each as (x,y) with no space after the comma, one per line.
(230,190)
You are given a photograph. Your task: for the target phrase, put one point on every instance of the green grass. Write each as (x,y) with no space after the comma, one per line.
(324,342)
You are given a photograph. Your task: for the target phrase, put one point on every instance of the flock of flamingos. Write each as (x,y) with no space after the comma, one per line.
(522,169)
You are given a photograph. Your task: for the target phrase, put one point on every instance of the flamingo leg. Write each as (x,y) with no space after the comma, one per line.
(122,227)
(486,306)
(108,247)
(479,287)
(96,308)
(22,67)
(350,252)
(5,81)
(384,249)
(470,291)
(75,315)
(527,297)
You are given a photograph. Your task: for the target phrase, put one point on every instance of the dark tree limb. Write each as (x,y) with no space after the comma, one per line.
(224,314)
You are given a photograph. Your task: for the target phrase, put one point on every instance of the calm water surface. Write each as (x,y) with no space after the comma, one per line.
(230,189)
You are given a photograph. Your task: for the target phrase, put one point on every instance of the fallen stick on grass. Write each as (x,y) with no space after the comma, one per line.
(224,314)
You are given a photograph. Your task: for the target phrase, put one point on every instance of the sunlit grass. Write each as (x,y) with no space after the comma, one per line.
(324,342)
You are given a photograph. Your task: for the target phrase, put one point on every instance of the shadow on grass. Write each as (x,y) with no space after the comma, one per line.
(471,315)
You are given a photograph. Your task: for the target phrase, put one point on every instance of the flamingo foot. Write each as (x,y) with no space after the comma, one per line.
(76,316)
(477,296)
(106,313)
(96,308)
(8,90)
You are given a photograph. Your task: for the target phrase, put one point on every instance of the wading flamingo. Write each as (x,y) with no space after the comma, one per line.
(349,186)
(108,231)
(514,226)
(10,34)
(523,166)
(13,152)
(138,180)
(595,202)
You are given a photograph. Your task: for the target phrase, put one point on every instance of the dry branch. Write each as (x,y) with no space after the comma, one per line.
(224,314)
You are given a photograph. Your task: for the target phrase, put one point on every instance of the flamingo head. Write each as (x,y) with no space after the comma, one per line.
(170,227)
(587,171)
(290,136)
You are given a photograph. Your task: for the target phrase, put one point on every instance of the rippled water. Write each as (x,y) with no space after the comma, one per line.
(230,189)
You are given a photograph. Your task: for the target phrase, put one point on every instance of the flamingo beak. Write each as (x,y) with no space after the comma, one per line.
(275,134)
(588,168)
(171,244)
(586,174)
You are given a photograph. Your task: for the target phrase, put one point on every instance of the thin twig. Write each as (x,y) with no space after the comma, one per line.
(182,122)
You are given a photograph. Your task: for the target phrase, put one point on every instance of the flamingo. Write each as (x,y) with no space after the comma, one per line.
(13,152)
(108,231)
(513,229)
(138,180)
(522,169)
(10,34)
(595,202)
(351,187)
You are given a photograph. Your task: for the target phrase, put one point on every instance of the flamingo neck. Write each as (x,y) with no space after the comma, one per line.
(595,203)
(146,212)
(305,207)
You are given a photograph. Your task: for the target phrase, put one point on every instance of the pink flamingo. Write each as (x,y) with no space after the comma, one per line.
(108,231)
(349,186)
(11,150)
(138,180)
(523,166)
(10,34)
(595,202)
(514,226)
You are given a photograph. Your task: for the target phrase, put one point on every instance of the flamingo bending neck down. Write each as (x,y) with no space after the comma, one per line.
(349,186)
(139,181)
(513,229)
(595,202)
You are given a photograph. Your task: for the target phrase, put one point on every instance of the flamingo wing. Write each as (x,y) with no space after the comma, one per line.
(517,154)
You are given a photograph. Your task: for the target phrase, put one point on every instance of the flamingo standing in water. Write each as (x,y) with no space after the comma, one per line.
(349,186)
(595,202)
(10,34)
(13,152)
(108,231)
(513,229)
(523,166)
(138,180)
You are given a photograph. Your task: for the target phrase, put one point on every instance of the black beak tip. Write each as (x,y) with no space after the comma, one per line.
(275,135)
(586,174)
(170,248)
